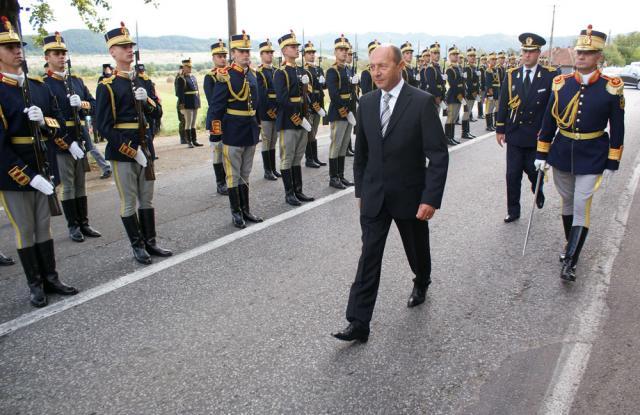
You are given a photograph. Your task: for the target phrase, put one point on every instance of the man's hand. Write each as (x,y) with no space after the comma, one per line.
(425,212)
(500,138)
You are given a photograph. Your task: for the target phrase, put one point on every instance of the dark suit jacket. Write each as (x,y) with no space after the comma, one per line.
(392,170)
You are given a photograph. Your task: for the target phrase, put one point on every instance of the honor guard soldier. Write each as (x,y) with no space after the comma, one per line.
(316,101)
(219,57)
(501,66)
(455,94)
(292,85)
(352,71)
(118,101)
(522,105)
(574,142)
(189,102)
(425,61)
(492,86)
(267,110)
(181,131)
(149,85)
(233,117)
(341,112)
(513,61)
(435,82)
(408,72)
(27,185)
(75,102)
(482,68)
(471,82)
(366,80)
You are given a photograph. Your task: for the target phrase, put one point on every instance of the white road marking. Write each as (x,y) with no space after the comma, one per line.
(578,342)
(92,293)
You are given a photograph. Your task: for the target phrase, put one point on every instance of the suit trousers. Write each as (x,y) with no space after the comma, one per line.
(519,160)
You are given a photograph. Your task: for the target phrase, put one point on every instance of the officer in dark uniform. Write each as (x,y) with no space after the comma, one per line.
(471,91)
(316,101)
(492,87)
(574,142)
(455,94)
(219,57)
(522,105)
(149,85)
(107,71)
(341,112)
(425,60)
(292,85)
(181,130)
(117,119)
(234,119)
(24,185)
(366,80)
(482,69)
(189,102)
(408,72)
(70,150)
(435,82)
(267,110)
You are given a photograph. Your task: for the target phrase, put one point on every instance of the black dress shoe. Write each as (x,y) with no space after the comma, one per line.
(353,332)
(75,234)
(540,200)
(510,218)
(5,260)
(106,174)
(311,163)
(417,296)
(52,284)
(452,143)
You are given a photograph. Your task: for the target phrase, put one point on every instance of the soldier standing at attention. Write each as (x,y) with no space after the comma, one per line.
(408,72)
(492,86)
(189,102)
(435,82)
(366,80)
(181,131)
(316,100)
(482,68)
(267,111)
(455,95)
(471,91)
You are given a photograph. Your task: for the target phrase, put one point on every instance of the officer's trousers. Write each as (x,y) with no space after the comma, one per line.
(340,136)
(576,191)
(238,162)
(132,186)
(28,213)
(189,118)
(269,135)
(216,150)
(519,160)
(452,112)
(293,142)
(72,177)
(314,120)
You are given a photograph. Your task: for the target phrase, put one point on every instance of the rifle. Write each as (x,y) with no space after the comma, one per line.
(68,83)
(304,90)
(149,172)
(320,57)
(39,145)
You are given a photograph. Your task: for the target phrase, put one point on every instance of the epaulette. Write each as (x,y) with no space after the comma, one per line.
(558,81)
(550,68)
(36,78)
(8,81)
(107,81)
(513,69)
(237,67)
(615,86)
(222,74)
(145,76)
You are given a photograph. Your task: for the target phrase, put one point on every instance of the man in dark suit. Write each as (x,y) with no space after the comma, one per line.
(400,171)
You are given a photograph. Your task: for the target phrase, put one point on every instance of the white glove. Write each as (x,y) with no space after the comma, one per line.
(540,164)
(464,75)
(478,73)
(355,79)
(304,79)
(42,185)
(351,119)
(141,94)
(76,151)
(478,98)
(417,77)
(140,159)
(463,102)
(35,114)
(321,79)
(75,101)
(322,112)
(443,105)
(305,124)
(444,76)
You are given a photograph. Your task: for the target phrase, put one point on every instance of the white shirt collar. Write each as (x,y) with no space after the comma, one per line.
(19,78)
(533,69)
(585,78)
(395,92)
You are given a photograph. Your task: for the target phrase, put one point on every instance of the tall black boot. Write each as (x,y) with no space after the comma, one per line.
(221,179)
(314,148)
(29,260)
(189,137)
(489,122)
(132,228)
(244,205)
(272,158)
(466,130)
(268,168)
(296,173)
(308,155)
(83,216)
(350,152)
(289,193)
(236,211)
(194,138)
(480,110)
(148,230)
(71,214)
(6,260)
(334,175)
(567,222)
(577,237)
(47,263)
(448,133)
(453,133)
(341,172)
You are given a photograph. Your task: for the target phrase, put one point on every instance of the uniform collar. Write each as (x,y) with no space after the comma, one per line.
(123,74)
(56,75)
(590,78)
(12,79)
(237,67)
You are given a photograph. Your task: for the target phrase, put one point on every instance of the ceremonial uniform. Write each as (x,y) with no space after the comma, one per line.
(149,85)
(409,72)
(317,111)
(96,135)
(234,120)
(455,97)
(492,87)
(27,182)
(426,58)
(482,76)
(523,102)
(366,80)
(189,102)
(574,142)
(215,141)
(118,120)
(71,150)
(471,82)
(267,112)
(435,82)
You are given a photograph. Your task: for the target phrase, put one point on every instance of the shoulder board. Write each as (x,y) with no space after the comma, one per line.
(36,78)
(222,74)
(549,68)
(107,81)
(145,77)
(558,81)
(615,86)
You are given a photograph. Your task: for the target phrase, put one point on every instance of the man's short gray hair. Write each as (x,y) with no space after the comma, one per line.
(397,54)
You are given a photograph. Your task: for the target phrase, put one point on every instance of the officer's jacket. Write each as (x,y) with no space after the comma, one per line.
(340,93)
(520,116)
(456,92)
(316,96)
(187,92)
(266,94)
(57,86)
(492,82)
(422,84)
(483,78)
(573,137)
(435,83)
(17,152)
(289,92)
(209,83)
(117,118)
(366,81)
(471,82)
(409,75)
(233,108)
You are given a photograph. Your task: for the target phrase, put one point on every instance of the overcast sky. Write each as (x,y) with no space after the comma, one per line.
(272,18)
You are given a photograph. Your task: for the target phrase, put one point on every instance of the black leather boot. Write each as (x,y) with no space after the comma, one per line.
(194,138)
(448,128)
(289,193)
(341,172)
(272,157)
(577,237)
(314,148)
(70,209)
(350,152)
(148,230)
(466,130)
(567,223)
(83,217)
(268,168)
(244,205)
(221,179)
(296,173)
(480,110)
(5,260)
(334,177)
(188,137)
(47,263)
(308,155)
(236,211)
(132,228)
(29,260)
(489,122)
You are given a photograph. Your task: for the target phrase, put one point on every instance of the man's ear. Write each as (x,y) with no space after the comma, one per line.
(111,52)
(402,64)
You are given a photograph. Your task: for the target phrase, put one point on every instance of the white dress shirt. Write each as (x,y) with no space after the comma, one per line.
(531,74)
(395,93)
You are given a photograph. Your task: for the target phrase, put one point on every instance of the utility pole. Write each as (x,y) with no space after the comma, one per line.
(553,21)
(231,17)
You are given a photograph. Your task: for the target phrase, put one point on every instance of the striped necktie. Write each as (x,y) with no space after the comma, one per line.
(385,115)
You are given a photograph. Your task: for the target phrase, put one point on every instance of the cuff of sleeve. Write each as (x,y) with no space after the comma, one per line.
(612,164)
(500,128)
(20,175)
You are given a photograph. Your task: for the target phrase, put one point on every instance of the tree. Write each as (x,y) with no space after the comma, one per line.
(612,56)
(628,45)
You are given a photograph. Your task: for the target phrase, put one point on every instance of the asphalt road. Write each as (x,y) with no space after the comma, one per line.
(240,322)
